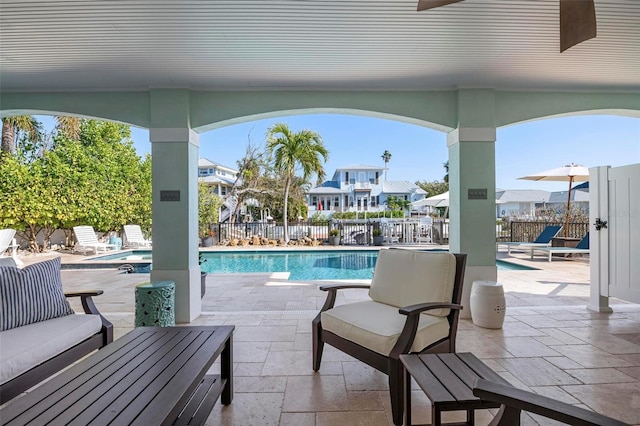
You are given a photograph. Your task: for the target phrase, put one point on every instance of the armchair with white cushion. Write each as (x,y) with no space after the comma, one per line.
(413,308)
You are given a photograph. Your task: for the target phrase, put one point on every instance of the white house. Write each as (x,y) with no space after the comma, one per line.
(523,203)
(360,187)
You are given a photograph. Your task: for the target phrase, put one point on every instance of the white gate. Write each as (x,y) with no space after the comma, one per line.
(615,247)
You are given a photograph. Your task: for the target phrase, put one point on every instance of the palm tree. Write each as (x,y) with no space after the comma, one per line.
(12,126)
(295,151)
(386,156)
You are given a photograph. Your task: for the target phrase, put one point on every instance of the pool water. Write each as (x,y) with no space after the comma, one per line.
(302,265)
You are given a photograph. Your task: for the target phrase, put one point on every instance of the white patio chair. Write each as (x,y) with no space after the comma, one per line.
(87,239)
(134,237)
(8,242)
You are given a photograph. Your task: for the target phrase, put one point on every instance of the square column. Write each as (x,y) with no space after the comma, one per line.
(472,189)
(175,201)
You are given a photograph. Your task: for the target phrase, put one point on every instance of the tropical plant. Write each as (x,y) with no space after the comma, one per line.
(397,203)
(386,157)
(377,232)
(334,232)
(13,127)
(294,152)
(208,207)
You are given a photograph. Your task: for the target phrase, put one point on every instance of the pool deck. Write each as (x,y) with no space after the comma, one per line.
(550,344)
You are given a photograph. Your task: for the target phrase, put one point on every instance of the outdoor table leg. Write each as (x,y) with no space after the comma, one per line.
(407,397)
(226,371)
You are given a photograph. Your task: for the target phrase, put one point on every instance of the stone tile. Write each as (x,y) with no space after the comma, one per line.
(537,372)
(315,393)
(513,329)
(302,342)
(296,363)
(264,334)
(633,359)
(605,341)
(631,371)
(365,400)
(525,347)
(250,351)
(563,362)
(591,357)
(546,321)
(358,376)
(600,375)
(561,336)
(298,419)
(619,400)
(259,384)
(249,369)
(351,418)
(480,345)
(251,409)
(281,346)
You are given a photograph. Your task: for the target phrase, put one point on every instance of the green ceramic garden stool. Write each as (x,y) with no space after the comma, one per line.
(155,304)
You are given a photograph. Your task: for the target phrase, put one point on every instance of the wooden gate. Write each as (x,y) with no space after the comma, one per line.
(615,246)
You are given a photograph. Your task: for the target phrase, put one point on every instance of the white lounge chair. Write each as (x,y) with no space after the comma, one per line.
(543,240)
(86,237)
(8,242)
(581,248)
(134,237)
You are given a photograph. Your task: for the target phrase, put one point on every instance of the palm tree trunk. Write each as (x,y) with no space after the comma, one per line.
(8,137)
(285,222)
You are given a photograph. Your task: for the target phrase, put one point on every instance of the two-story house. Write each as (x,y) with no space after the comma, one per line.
(360,187)
(220,178)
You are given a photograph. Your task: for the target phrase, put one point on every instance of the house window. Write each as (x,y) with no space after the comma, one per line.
(406,197)
(314,201)
(223,190)
(336,201)
(373,201)
(377,178)
(346,177)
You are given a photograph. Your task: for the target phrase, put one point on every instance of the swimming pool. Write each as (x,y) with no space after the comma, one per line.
(302,265)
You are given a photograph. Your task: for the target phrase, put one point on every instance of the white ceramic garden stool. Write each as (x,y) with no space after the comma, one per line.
(488,305)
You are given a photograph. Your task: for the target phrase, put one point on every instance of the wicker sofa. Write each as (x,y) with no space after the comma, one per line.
(40,333)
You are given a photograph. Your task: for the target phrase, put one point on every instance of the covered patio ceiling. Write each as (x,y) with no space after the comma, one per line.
(76,45)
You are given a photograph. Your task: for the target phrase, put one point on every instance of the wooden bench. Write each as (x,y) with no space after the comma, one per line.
(150,376)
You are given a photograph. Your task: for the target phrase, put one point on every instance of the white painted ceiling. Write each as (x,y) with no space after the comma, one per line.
(311,44)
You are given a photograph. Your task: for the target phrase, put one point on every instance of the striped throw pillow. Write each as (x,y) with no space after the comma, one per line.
(31,294)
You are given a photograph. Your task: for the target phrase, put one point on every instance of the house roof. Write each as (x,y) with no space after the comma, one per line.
(205,162)
(217,179)
(401,187)
(361,167)
(522,196)
(576,197)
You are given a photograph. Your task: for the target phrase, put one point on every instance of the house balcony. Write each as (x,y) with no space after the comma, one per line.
(549,344)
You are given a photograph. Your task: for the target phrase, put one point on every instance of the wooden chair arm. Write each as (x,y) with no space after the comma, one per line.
(333,291)
(519,399)
(421,307)
(84,293)
(329,287)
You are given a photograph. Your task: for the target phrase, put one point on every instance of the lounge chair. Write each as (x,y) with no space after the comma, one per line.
(413,308)
(86,237)
(134,237)
(8,242)
(581,248)
(543,240)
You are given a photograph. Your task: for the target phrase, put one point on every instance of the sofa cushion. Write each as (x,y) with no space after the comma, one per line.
(407,277)
(31,294)
(377,326)
(25,347)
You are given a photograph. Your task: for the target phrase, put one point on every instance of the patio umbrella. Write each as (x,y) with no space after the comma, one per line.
(440,200)
(571,173)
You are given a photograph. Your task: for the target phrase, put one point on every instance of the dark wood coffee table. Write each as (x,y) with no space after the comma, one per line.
(447,380)
(150,376)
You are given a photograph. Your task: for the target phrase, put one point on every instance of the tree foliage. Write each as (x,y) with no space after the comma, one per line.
(96,179)
(432,188)
(208,209)
(295,153)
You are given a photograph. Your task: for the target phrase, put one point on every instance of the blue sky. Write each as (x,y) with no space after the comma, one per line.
(418,153)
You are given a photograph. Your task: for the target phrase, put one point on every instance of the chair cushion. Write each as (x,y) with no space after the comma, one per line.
(25,347)
(377,326)
(407,277)
(31,294)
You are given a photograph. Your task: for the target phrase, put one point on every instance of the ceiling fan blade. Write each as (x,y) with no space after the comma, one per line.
(430,4)
(577,22)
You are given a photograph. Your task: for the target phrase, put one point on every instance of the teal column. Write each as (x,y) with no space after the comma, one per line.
(472,187)
(174,150)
